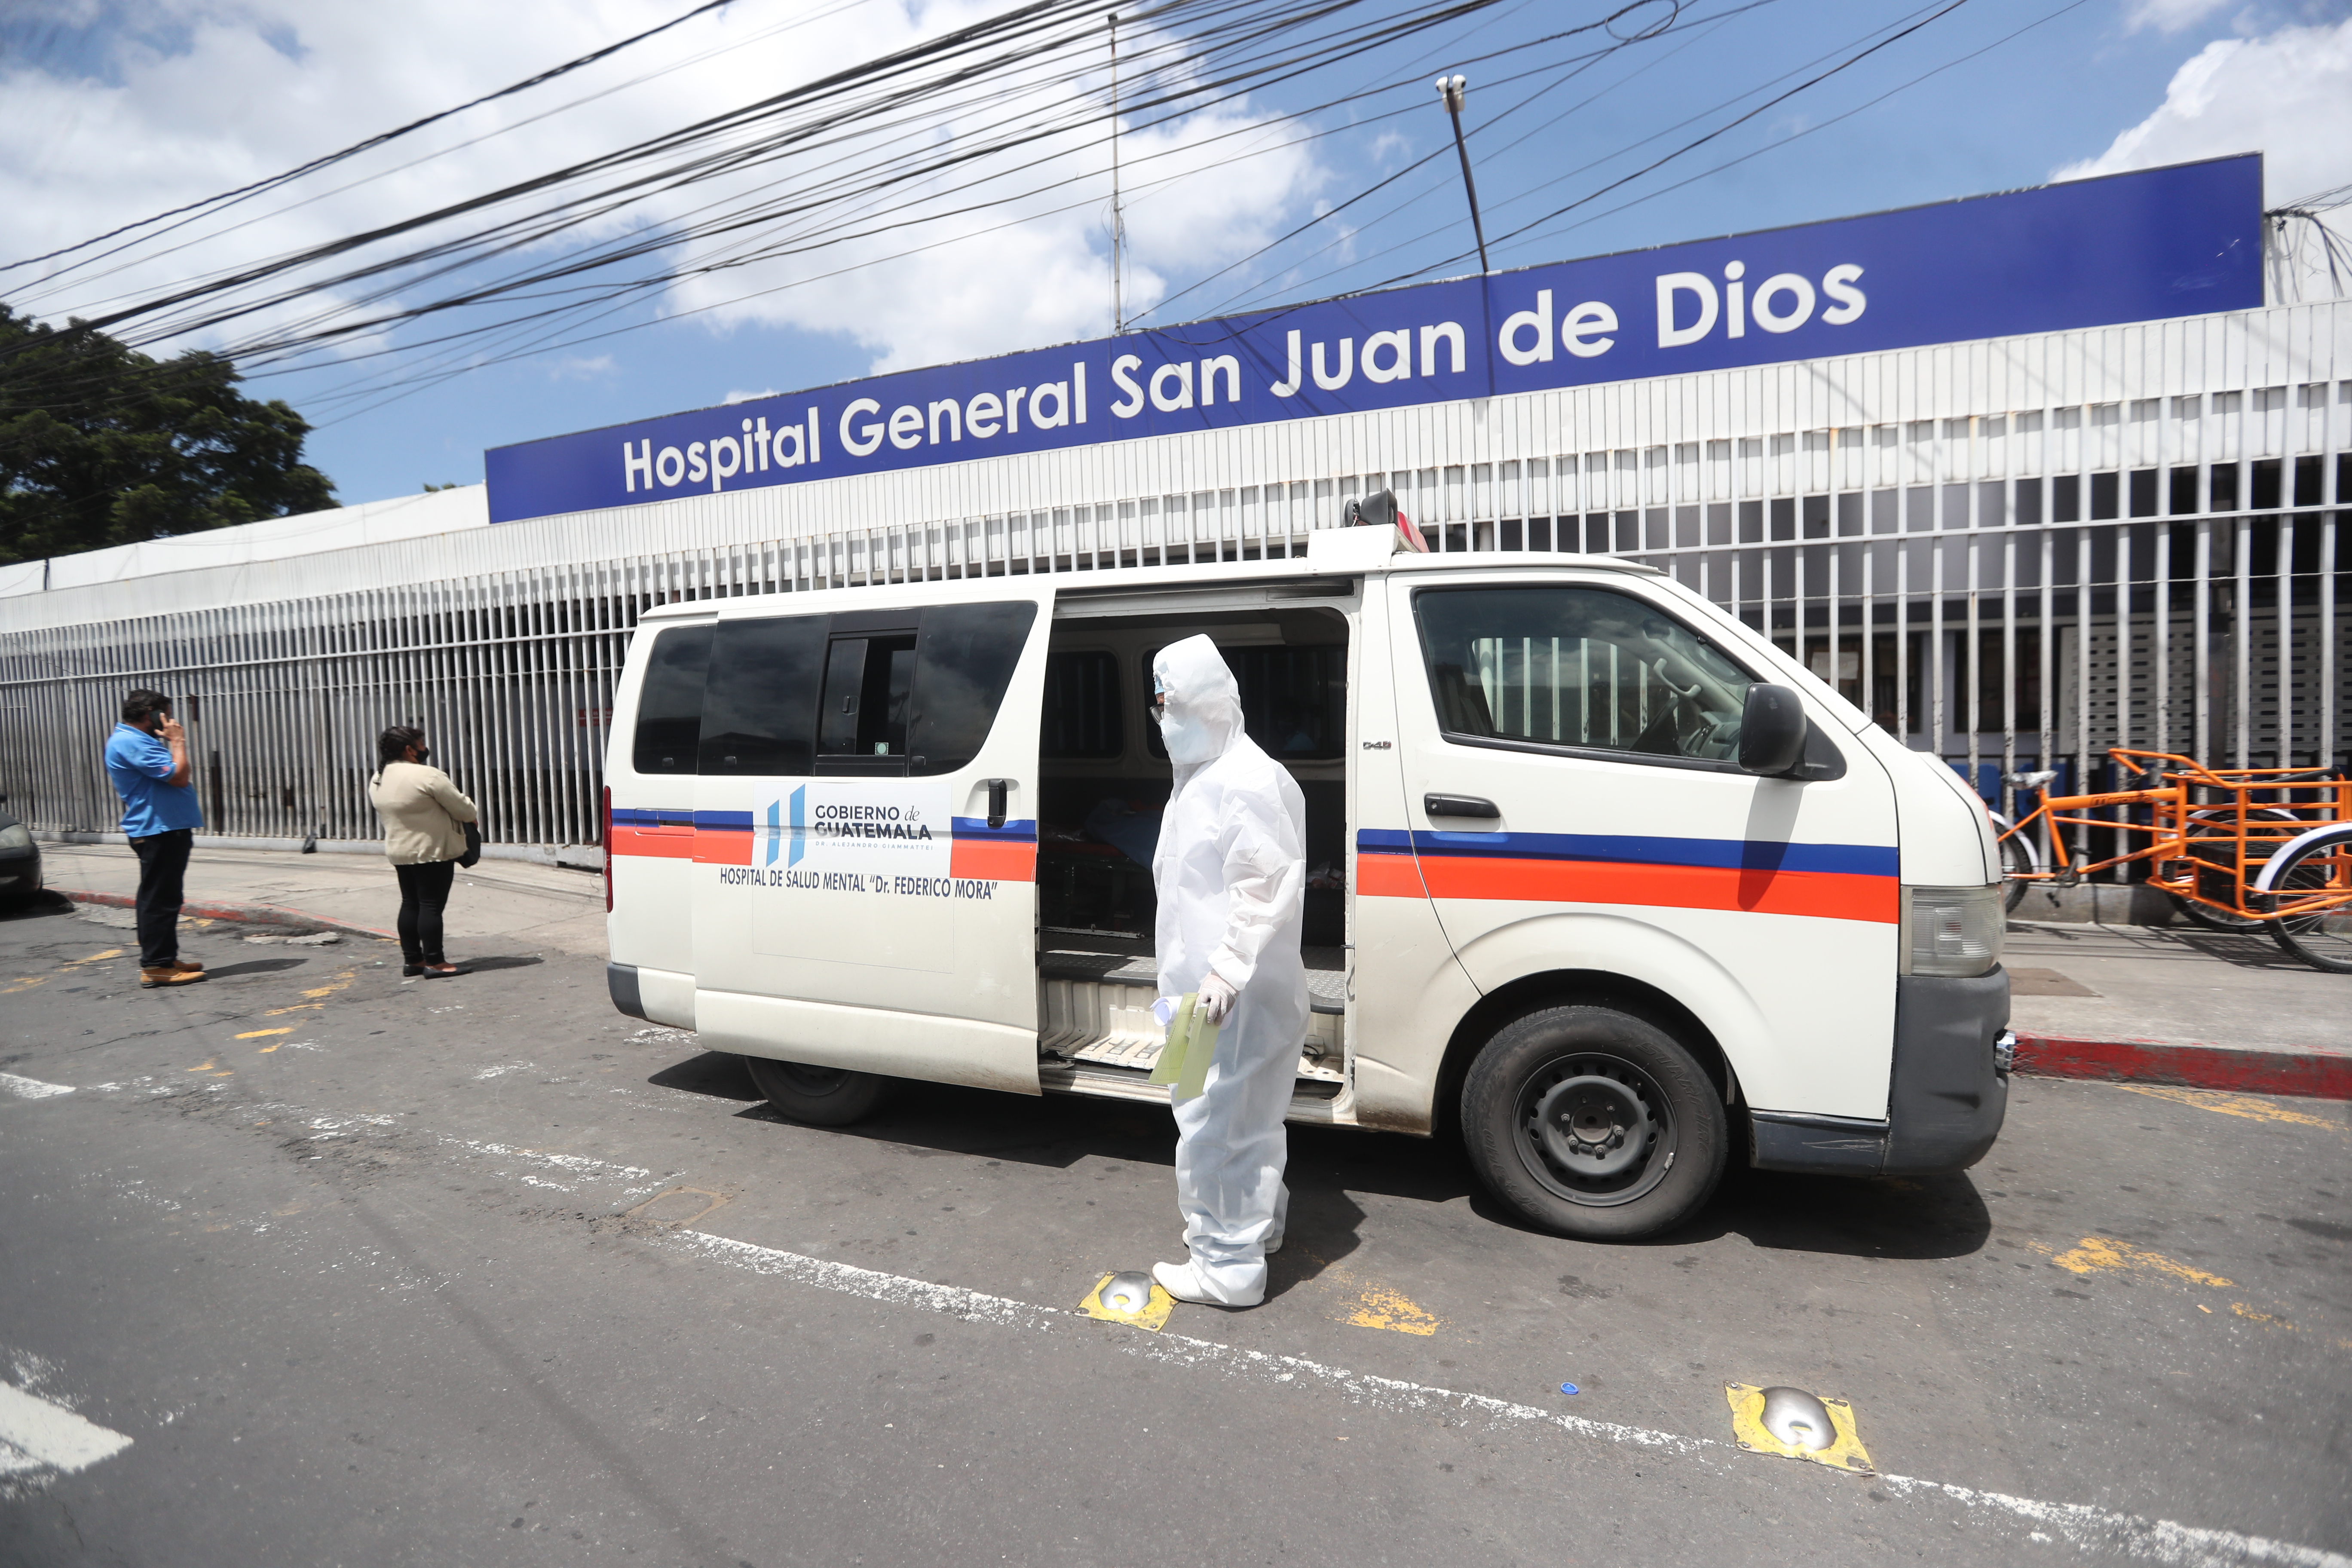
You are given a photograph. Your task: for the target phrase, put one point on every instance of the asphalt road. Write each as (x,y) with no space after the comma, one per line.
(373,1271)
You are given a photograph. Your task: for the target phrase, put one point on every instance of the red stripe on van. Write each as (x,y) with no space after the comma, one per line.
(1826,895)
(722,846)
(1389,877)
(657,843)
(981,861)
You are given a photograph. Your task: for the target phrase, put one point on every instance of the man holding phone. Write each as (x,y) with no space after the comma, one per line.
(147,758)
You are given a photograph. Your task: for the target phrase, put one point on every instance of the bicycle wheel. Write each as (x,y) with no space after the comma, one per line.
(2323,939)
(2016,863)
(2218,871)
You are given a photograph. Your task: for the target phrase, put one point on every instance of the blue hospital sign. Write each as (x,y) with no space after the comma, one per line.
(2179,241)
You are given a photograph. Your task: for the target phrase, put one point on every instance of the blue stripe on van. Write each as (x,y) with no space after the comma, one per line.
(651,816)
(1720,854)
(1015,831)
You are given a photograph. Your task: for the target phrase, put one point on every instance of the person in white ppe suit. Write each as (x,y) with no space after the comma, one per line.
(1230,871)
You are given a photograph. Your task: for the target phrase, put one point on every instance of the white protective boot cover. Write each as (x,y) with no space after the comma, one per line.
(1230,871)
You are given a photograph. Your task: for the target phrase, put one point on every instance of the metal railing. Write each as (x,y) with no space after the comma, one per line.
(2004,591)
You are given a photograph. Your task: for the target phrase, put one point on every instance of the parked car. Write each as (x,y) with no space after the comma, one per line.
(20,862)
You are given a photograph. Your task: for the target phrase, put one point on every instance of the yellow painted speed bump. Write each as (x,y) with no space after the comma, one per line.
(1129,1298)
(1796,1425)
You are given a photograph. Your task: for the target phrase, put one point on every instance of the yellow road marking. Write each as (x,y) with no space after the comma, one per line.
(96,957)
(342,982)
(262,1033)
(23,982)
(206,1067)
(1381,1307)
(2233,1105)
(2099,1254)
(297,1007)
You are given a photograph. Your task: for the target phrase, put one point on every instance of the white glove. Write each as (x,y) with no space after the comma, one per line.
(1217,998)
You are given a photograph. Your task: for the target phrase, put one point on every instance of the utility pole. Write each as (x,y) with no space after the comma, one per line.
(1454,89)
(1117,218)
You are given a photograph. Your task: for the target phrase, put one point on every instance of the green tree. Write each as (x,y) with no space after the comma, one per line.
(101,445)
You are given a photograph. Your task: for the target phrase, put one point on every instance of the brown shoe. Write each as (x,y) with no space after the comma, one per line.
(185,965)
(151,978)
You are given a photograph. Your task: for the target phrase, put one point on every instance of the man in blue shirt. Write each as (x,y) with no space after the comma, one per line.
(147,758)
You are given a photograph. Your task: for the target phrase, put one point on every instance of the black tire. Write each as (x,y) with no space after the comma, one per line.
(2016,863)
(2218,872)
(2322,941)
(1665,1137)
(820,1097)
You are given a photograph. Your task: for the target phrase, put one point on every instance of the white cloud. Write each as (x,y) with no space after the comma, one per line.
(242,89)
(2169,16)
(2287,94)
(582,367)
(751,397)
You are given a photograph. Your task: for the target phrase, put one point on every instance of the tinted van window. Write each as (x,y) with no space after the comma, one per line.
(1082,717)
(1293,700)
(669,706)
(759,709)
(869,684)
(964,658)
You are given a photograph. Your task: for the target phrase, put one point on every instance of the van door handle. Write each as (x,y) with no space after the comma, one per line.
(997,791)
(1460,806)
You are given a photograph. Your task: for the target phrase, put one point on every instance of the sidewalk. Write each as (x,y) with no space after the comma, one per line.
(498,907)
(2174,1005)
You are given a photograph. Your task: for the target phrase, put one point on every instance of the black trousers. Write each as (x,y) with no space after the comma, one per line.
(424,893)
(162,872)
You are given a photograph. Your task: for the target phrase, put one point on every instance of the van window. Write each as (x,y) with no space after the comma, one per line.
(1082,716)
(758,709)
(1293,700)
(868,681)
(964,660)
(669,704)
(1579,667)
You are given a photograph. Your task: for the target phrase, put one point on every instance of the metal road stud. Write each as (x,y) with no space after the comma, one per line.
(1128,1296)
(1796,1425)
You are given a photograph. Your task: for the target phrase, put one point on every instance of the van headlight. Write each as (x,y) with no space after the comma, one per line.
(1952,931)
(15,836)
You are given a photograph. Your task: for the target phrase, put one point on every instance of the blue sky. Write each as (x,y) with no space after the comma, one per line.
(107,114)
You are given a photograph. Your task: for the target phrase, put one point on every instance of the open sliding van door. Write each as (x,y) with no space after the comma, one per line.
(865,821)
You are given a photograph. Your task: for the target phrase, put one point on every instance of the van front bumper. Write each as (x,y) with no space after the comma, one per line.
(1947,1093)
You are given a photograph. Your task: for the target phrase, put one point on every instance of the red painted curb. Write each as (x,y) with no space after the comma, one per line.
(2310,1071)
(257,914)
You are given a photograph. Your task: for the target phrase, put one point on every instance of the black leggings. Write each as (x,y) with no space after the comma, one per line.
(423,890)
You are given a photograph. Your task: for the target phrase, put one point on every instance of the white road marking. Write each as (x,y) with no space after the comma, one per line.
(31,1088)
(2080,1524)
(36,1434)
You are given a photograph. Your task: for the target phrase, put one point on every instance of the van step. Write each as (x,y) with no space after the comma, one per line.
(1326,988)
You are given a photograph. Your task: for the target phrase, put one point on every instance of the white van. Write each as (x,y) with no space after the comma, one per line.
(1596,873)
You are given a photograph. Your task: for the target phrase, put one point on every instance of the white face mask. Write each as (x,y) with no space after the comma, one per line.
(1187,739)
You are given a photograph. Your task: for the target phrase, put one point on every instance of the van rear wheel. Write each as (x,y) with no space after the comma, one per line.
(821,1096)
(1593,1123)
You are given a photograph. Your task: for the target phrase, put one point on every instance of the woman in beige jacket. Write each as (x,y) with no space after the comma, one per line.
(425,821)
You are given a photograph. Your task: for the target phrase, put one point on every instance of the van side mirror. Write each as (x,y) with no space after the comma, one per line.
(1771,731)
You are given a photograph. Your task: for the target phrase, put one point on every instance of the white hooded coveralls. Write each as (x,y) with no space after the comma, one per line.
(1230,873)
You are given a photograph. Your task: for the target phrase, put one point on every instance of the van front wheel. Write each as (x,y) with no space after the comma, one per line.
(1593,1123)
(821,1097)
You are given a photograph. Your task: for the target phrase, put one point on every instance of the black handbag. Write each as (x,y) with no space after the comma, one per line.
(473,855)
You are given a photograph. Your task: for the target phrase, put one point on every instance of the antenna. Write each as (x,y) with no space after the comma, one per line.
(1454,89)
(1117,218)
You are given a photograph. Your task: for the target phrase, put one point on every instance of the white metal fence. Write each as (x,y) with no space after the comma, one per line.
(2006,589)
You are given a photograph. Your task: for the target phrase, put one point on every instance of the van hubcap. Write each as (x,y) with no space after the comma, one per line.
(1592,1128)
